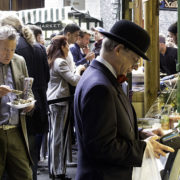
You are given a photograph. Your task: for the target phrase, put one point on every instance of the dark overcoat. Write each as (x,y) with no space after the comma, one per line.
(106,127)
(37,65)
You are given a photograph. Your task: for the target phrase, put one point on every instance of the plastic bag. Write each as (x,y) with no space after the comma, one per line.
(149,169)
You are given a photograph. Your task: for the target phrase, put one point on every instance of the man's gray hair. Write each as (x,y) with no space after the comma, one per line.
(108,44)
(8,32)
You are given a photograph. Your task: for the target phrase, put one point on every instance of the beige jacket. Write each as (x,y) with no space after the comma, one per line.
(62,74)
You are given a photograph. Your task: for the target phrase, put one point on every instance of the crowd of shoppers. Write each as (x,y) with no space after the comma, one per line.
(109,143)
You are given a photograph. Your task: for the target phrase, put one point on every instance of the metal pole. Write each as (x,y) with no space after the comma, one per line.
(118,10)
(178,64)
(10,5)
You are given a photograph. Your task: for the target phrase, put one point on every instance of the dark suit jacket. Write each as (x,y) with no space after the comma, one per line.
(78,56)
(106,126)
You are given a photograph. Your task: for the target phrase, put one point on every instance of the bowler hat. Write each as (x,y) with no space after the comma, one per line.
(131,36)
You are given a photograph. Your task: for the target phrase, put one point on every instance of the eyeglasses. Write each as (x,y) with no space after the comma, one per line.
(136,60)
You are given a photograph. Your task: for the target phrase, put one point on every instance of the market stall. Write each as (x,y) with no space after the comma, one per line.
(53,20)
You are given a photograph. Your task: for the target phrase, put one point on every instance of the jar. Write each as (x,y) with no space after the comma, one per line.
(165,122)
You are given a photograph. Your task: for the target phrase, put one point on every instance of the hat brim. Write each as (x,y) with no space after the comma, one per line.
(126,43)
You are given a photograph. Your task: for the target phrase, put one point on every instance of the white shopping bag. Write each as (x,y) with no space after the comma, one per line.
(149,169)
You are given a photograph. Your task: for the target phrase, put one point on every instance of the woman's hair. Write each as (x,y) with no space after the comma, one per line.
(55,49)
(14,21)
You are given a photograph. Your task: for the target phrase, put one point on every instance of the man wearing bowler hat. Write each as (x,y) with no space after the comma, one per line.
(106,125)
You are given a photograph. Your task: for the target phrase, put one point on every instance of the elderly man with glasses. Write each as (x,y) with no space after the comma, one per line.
(14,151)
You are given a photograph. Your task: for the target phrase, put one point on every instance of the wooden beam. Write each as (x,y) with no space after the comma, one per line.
(151,79)
(4,5)
(21,4)
(138,12)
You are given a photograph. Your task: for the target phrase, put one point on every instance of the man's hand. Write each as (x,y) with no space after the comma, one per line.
(147,133)
(85,50)
(158,132)
(80,68)
(4,90)
(90,56)
(159,148)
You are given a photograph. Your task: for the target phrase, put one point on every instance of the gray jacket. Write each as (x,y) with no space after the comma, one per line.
(62,73)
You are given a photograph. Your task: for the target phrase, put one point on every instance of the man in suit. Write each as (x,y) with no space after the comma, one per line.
(80,50)
(14,150)
(106,125)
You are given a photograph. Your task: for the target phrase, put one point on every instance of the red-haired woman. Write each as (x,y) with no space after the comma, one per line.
(62,73)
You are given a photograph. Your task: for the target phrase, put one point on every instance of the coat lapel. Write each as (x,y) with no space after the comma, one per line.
(125,101)
(17,76)
(13,67)
(121,95)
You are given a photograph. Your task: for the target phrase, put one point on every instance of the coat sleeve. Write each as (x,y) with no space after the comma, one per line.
(76,57)
(65,72)
(99,131)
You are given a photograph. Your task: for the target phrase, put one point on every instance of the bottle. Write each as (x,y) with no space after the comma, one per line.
(165,117)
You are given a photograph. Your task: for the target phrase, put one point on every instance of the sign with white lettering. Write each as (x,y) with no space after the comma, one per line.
(168,4)
(50,25)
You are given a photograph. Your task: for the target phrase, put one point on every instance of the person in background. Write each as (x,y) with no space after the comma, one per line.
(106,125)
(52,35)
(37,65)
(168,57)
(37,31)
(173,32)
(71,31)
(40,91)
(170,42)
(98,40)
(61,75)
(80,50)
(14,149)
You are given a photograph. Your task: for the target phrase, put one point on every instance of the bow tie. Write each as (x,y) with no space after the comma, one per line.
(121,78)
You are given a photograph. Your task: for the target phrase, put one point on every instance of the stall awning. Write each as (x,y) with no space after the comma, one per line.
(43,15)
(55,18)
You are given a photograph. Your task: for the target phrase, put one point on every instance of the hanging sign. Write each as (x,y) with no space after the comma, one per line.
(50,25)
(168,4)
